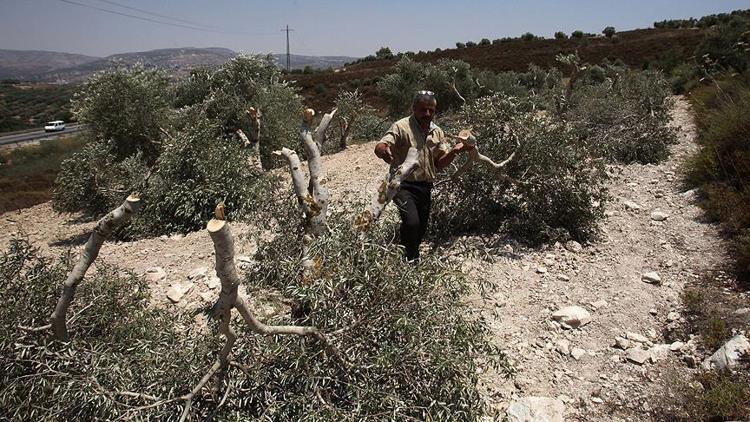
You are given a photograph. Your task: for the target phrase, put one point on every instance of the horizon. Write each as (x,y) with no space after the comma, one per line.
(102,28)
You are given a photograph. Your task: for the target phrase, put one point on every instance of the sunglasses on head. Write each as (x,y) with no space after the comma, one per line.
(430,93)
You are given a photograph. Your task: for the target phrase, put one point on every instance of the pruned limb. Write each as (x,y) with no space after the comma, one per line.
(229,298)
(102,231)
(253,143)
(315,189)
(320,131)
(475,156)
(388,189)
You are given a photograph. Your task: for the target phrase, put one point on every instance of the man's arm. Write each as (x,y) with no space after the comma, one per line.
(387,142)
(443,159)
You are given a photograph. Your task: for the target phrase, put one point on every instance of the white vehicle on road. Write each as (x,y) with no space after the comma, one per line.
(54,126)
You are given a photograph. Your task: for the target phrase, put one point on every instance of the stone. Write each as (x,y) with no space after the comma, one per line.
(573,246)
(197,273)
(599,304)
(691,195)
(597,400)
(508,249)
(673,316)
(690,361)
(630,205)
(742,311)
(178,291)
(563,277)
(563,347)
(536,409)
(659,352)
(541,270)
(659,216)
(213,283)
(577,353)
(622,343)
(572,317)
(638,356)
(676,346)
(729,355)
(651,277)
(638,338)
(208,297)
(653,311)
(155,274)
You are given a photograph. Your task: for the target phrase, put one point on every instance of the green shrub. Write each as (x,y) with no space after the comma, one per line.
(559,35)
(470,44)
(551,190)
(609,31)
(485,41)
(576,34)
(126,107)
(460,45)
(413,342)
(528,36)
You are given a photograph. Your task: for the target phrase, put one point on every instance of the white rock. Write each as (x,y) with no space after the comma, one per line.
(622,343)
(197,273)
(536,409)
(653,311)
(631,205)
(573,246)
(638,338)
(213,283)
(673,316)
(155,274)
(541,270)
(676,346)
(563,347)
(729,355)
(208,296)
(659,216)
(651,277)
(178,291)
(597,400)
(572,317)
(742,311)
(638,356)
(599,304)
(563,277)
(690,195)
(577,353)
(659,352)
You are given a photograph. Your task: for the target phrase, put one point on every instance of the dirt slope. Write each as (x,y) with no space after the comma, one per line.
(525,285)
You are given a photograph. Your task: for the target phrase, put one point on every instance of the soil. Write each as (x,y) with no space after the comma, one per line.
(518,288)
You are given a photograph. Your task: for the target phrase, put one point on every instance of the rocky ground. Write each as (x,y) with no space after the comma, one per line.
(587,326)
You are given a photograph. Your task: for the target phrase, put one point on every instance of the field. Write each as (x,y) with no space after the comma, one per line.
(30,105)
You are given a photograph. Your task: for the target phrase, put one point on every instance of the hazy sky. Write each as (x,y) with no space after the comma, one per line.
(322,27)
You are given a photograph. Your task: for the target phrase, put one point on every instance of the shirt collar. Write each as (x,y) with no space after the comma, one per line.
(433,126)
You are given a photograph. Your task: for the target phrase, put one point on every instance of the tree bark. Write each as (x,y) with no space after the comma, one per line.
(388,189)
(101,232)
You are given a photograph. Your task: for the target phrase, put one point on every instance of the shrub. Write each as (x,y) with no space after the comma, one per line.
(559,35)
(609,31)
(528,36)
(485,41)
(624,121)
(550,191)
(413,343)
(470,44)
(460,45)
(726,45)
(576,34)
(384,53)
(126,107)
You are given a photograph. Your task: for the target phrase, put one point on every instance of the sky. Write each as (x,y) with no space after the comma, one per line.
(321,27)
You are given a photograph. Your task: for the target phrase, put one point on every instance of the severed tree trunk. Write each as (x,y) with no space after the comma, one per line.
(465,136)
(388,189)
(314,199)
(229,298)
(346,128)
(253,141)
(102,231)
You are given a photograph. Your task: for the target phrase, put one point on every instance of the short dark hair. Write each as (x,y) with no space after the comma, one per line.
(423,96)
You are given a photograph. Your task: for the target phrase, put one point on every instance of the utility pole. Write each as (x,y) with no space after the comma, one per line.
(288,57)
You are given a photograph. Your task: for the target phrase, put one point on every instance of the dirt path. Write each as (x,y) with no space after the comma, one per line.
(529,284)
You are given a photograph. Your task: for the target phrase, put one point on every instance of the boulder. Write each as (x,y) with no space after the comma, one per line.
(729,355)
(651,277)
(572,317)
(536,409)
(659,216)
(638,356)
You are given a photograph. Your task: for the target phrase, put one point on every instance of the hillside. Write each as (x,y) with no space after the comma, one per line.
(636,48)
(63,67)
(19,64)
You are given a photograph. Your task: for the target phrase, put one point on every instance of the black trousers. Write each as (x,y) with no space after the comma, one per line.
(413,202)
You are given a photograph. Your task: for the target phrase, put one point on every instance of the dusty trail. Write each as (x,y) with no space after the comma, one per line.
(529,284)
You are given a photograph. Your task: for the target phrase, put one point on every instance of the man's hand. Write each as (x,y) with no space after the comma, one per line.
(383,151)
(463,147)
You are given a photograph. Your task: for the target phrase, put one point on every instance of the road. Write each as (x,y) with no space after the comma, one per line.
(37,135)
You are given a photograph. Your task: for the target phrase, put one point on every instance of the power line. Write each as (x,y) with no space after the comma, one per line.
(158,14)
(143,18)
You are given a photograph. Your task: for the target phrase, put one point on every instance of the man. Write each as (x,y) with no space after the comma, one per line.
(435,153)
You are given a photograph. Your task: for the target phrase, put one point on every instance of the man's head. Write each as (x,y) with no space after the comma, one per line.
(423,107)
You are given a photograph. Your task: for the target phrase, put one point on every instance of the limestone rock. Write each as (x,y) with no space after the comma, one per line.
(572,317)
(630,205)
(563,347)
(599,304)
(729,355)
(563,277)
(178,291)
(659,352)
(155,274)
(197,273)
(673,316)
(742,311)
(638,356)
(638,338)
(659,216)
(541,270)
(676,346)
(622,343)
(573,246)
(536,409)
(213,283)
(651,277)
(577,353)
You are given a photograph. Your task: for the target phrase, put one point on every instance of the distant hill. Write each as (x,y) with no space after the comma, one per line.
(20,64)
(63,67)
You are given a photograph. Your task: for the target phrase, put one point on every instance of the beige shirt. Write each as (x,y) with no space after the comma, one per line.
(407,133)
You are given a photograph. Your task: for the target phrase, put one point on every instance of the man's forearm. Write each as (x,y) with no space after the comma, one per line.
(445,159)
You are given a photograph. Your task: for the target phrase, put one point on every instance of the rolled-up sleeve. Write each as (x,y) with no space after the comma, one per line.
(442,142)
(391,137)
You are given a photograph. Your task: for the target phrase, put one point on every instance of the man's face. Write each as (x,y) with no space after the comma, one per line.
(424,111)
